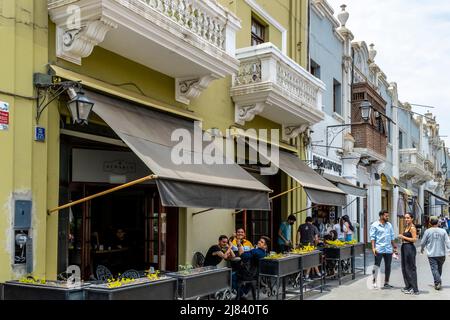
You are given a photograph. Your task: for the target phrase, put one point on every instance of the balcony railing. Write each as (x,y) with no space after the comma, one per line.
(193,41)
(413,165)
(287,92)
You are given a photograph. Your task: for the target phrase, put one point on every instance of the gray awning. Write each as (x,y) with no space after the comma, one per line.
(346,185)
(439,201)
(148,134)
(318,189)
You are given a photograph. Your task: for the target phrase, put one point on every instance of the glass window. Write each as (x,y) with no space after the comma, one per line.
(337,106)
(258,33)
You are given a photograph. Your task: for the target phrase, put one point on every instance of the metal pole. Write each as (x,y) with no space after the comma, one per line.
(123,186)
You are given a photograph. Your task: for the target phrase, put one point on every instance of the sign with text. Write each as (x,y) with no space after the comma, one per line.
(115,167)
(4,115)
(327,164)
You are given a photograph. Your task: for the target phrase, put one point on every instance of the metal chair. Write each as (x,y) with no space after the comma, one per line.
(130,274)
(103,273)
(198,260)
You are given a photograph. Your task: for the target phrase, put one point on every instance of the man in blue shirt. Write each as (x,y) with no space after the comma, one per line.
(285,234)
(382,238)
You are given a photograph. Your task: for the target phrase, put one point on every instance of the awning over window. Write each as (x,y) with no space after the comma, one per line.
(439,201)
(391,180)
(408,192)
(346,186)
(148,134)
(318,189)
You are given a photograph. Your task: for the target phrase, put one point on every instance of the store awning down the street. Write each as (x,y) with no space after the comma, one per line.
(439,201)
(319,190)
(187,185)
(346,186)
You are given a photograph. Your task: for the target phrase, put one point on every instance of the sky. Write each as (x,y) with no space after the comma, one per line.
(412,38)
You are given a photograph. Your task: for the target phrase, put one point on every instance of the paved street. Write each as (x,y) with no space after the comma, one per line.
(361,288)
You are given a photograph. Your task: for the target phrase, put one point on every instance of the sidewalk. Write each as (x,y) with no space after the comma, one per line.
(361,288)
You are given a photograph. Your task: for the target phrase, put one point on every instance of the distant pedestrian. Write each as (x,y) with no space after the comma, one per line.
(436,241)
(408,254)
(285,234)
(350,228)
(383,246)
(341,229)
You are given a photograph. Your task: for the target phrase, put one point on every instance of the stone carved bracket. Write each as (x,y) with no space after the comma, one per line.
(75,44)
(245,114)
(291,132)
(191,88)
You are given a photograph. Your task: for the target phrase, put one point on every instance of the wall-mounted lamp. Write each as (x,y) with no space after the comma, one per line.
(48,90)
(366,110)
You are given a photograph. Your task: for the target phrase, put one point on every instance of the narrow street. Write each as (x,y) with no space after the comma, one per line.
(361,288)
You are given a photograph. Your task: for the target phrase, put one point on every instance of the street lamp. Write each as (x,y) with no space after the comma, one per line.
(366,110)
(49,89)
(80,108)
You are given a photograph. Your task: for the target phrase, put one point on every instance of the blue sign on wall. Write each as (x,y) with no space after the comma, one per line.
(39,134)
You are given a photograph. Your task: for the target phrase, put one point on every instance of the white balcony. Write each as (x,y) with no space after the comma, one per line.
(272,85)
(192,41)
(413,166)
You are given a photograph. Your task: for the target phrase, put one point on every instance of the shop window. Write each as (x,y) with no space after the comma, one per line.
(258,33)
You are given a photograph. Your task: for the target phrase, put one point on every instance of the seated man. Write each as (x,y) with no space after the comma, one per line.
(218,252)
(239,240)
(250,261)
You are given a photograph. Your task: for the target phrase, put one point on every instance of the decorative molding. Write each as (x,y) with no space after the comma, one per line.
(247,113)
(75,44)
(268,18)
(191,88)
(291,132)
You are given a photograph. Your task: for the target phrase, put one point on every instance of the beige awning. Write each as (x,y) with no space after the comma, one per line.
(346,186)
(148,134)
(318,189)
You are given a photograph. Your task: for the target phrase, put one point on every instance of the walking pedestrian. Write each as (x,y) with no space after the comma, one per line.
(436,241)
(408,254)
(383,246)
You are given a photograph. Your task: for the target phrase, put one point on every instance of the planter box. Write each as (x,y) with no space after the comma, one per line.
(163,289)
(280,267)
(310,260)
(341,253)
(358,249)
(15,290)
(202,282)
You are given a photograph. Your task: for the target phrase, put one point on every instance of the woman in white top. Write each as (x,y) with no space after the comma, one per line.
(341,229)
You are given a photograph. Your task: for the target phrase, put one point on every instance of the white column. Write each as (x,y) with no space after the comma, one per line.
(395,196)
(421,201)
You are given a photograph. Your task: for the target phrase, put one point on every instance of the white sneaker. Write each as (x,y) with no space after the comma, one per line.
(374,284)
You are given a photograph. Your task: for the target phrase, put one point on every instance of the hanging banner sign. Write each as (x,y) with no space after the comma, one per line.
(4,115)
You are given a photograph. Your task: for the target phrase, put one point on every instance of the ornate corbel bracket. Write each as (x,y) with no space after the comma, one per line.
(247,113)
(73,44)
(291,132)
(347,63)
(191,88)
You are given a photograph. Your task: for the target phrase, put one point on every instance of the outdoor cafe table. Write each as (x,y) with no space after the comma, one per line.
(201,282)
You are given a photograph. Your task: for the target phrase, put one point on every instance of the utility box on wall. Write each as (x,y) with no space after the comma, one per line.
(23,243)
(22,214)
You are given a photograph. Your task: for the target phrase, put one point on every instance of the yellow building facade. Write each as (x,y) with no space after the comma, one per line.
(30,170)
